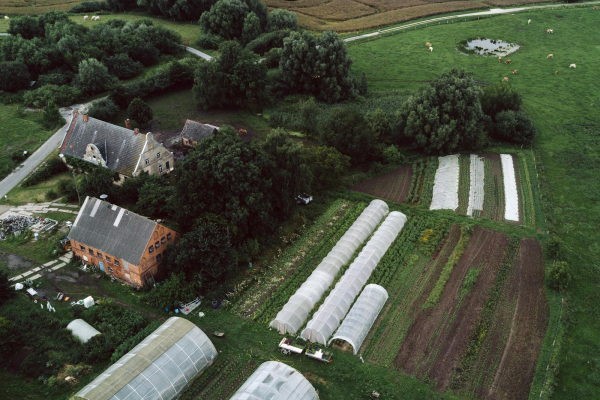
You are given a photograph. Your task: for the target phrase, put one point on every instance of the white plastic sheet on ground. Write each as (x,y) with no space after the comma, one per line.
(293,315)
(445,187)
(325,321)
(476,190)
(511,195)
(361,317)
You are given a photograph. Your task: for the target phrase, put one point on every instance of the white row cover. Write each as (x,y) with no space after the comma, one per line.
(511,195)
(476,190)
(445,187)
(361,317)
(276,381)
(294,313)
(336,305)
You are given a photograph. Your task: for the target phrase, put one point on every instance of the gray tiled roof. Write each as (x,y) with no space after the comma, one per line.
(112,230)
(123,146)
(196,131)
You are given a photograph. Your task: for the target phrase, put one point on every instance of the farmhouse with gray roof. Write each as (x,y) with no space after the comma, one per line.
(119,149)
(119,242)
(194,132)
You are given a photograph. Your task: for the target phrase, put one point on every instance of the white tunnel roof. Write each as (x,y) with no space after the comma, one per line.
(294,313)
(82,330)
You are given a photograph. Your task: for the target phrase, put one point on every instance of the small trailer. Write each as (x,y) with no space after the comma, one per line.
(287,347)
(219,334)
(319,354)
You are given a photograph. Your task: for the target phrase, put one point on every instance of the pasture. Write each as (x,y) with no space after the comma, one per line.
(564,108)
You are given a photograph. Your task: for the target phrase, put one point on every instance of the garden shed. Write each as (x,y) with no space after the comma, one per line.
(276,381)
(82,330)
(362,315)
(160,367)
(293,315)
(328,317)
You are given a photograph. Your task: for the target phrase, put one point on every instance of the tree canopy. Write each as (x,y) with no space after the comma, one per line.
(139,111)
(14,76)
(500,97)
(346,129)
(514,126)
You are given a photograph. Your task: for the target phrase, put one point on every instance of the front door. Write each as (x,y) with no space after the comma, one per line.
(101,265)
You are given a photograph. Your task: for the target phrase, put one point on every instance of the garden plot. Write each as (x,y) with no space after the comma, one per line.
(476,189)
(445,187)
(392,186)
(511,195)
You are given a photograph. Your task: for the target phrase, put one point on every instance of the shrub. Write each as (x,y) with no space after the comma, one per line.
(51,195)
(173,291)
(14,76)
(209,41)
(281,19)
(66,188)
(55,78)
(122,66)
(500,97)
(93,76)
(103,109)
(559,276)
(391,155)
(347,130)
(139,111)
(267,41)
(130,343)
(52,117)
(53,167)
(59,95)
(514,126)
(272,57)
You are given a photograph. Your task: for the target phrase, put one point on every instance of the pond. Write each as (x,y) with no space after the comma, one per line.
(487,47)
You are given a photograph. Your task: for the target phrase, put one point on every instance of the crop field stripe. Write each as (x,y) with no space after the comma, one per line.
(428,181)
(464,183)
(529,214)
(416,182)
(394,185)
(493,202)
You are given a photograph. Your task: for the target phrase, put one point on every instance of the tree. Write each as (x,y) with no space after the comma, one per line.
(122,66)
(317,66)
(60,95)
(228,177)
(251,28)
(327,165)
(500,97)
(225,19)
(514,126)
(93,76)
(559,276)
(391,155)
(445,116)
(292,172)
(139,111)
(97,182)
(205,251)
(155,198)
(281,19)
(380,123)
(236,78)
(181,10)
(347,130)
(52,117)
(103,109)
(363,86)
(6,291)
(120,5)
(14,76)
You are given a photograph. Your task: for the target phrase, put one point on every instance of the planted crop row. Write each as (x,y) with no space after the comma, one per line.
(418,167)
(489,201)
(526,193)
(436,292)
(277,300)
(210,379)
(428,181)
(464,184)
(487,315)
(250,293)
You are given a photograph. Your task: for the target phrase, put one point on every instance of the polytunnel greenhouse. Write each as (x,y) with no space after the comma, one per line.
(361,317)
(160,367)
(293,315)
(276,381)
(82,330)
(336,305)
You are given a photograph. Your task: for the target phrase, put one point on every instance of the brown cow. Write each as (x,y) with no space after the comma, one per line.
(556,73)
(428,44)
(595,7)
(550,56)
(505,79)
(515,72)
(508,62)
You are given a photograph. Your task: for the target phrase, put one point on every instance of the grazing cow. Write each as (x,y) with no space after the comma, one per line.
(85,17)
(499,59)
(556,73)
(515,72)
(6,17)
(428,44)
(430,48)
(505,79)
(549,31)
(595,7)
(550,56)
(528,21)
(572,66)
(508,62)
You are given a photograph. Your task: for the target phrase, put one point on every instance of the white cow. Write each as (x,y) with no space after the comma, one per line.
(430,48)
(528,21)
(549,31)
(572,66)
(85,17)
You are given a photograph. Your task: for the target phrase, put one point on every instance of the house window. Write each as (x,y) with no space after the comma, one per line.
(164,239)
(159,258)
(99,255)
(150,249)
(91,251)
(117,263)
(108,259)
(157,155)
(147,161)
(110,269)
(159,167)
(82,248)
(157,245)
(169,236)
(168,166)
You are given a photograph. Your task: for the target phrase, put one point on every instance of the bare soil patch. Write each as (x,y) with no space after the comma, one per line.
(392,186)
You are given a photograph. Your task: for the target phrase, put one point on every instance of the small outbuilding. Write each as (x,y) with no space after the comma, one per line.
(276,381)
(82,330)
(194,132)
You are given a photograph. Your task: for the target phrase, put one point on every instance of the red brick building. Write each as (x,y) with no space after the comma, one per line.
(119,242)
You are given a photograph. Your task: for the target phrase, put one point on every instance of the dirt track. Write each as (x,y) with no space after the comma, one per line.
(392,186)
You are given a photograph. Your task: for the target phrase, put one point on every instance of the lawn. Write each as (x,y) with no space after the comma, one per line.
(564,109)
(20,131)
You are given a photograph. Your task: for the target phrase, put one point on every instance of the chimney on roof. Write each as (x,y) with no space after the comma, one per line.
(136,131)
(127,123)
(85,117)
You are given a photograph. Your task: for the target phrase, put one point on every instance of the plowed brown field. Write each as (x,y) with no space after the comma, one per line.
(392,186)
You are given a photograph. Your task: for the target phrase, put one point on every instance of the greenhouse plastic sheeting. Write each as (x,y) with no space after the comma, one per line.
(276,381)
(511,195)
(82,330)
(294,313)
(160,367)
(361,317)
(445,187)
(336,305)
(476,190)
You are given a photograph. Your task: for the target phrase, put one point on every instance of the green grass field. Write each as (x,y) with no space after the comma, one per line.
(564,108)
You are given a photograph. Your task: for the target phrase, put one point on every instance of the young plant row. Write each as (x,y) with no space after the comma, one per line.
(489,202)
(277,300)
(464,183)
(487,316)
(248,294)
(428,181)
(526,193)
(210,378)
(418,167)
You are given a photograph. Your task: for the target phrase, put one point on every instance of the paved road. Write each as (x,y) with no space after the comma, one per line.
(198,53)
(12,180)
